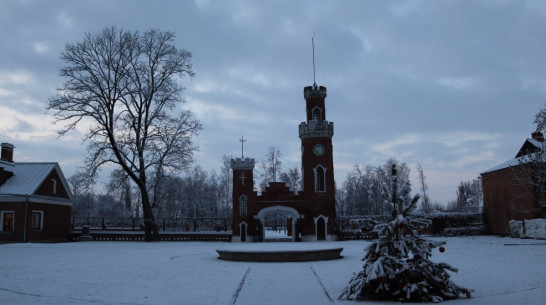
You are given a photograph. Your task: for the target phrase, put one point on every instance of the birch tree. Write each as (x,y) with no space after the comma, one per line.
(271,167)
(426,205)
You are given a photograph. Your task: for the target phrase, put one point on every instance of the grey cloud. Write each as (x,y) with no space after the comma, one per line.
(391,69)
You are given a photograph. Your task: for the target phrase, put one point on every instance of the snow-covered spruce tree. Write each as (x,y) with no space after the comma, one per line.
(397,266)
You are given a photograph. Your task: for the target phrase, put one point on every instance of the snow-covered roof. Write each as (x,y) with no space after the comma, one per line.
(529,147)
(507,164)
(28,176)
(514,162)
(536,143)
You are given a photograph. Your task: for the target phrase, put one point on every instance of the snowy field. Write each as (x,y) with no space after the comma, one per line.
(500,270)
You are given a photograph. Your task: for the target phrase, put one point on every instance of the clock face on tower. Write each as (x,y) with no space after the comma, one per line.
(318,150)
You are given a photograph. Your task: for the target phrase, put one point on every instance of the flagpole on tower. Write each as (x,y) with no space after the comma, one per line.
(313,45)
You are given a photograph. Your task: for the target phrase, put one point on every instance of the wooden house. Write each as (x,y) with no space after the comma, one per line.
(35,200)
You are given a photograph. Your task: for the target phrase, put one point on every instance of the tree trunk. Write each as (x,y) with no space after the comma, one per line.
(151,232)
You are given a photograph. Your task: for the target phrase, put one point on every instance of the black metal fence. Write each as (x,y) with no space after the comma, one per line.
(442,223)
(350,223)
(180,224)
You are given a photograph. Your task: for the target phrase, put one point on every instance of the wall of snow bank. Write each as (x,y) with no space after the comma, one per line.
(529,228)
(535,228)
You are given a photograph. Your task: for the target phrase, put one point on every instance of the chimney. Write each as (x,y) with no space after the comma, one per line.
(7,152)
(537,135)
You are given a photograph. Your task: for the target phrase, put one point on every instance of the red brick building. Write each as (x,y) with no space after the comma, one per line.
(505,199)
(35,200)
(312,210)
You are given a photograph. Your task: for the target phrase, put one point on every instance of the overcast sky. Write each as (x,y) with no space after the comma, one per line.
(453,85)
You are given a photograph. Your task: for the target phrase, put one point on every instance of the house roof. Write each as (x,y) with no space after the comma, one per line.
(28,176)
(529,148)
(507,164)
(7,165)
(530,157)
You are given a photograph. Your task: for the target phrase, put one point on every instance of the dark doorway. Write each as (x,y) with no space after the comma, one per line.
(243,232)
(321,229)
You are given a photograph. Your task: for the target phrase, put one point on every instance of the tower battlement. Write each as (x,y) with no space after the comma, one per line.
(314,129)
(243,163)
(314,92)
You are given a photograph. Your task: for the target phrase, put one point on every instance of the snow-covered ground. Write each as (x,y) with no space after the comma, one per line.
(500,270)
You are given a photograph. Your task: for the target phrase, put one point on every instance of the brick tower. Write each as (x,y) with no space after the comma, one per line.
(243,194)
(317,165)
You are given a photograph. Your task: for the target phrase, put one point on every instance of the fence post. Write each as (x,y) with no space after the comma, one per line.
(133,223)
(163,224)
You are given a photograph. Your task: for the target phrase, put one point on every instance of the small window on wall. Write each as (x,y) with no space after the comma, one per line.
(37,220)
(8,221)
(242,206)
(54,186)
(317,115)
(320,179)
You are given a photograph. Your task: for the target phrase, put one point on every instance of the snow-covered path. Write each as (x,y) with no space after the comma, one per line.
(119,273)
(299,284)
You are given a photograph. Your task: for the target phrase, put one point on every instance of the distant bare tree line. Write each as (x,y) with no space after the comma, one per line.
(360,193)
(198,193)
(195,193)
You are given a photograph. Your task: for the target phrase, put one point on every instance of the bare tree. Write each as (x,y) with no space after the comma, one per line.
(426,205)
(271,167)
(469,197)
(225,186)
(119,186)
(84,199)
(292,177)
(361,193)
(126,87)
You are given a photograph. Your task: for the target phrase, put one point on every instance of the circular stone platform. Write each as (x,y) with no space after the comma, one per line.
(279,252)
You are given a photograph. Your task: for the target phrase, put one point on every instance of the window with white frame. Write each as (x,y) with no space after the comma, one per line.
(37,220)
(242,206)
(54,186)
(8,221)
(320,178)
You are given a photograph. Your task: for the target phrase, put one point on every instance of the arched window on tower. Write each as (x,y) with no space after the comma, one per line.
(320,178)
(242,206)
(317,115)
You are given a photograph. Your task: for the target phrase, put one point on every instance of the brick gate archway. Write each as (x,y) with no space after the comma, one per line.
(278,209)
(312,206)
